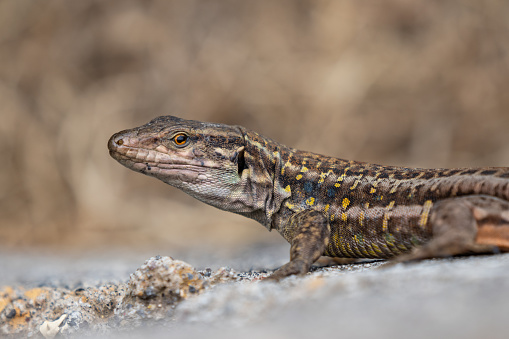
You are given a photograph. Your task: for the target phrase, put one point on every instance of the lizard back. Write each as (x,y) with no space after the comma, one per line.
(374,211)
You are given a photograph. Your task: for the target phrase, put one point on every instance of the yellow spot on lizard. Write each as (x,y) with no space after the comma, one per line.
(385,222)
(310,201)
(375,184)
(389,239)
(341,177)
(357,239)
(354,186)
(373,190)
(298,177)
(376,248)
(361,218)
(322,177)
(402,247)
(346,202)
(425,213)
(326,209)
(288,189)
(391,205)
(341,244)
(371,252)
(287,164)
(344,217)
(304,169)
(337,184)
(348,247)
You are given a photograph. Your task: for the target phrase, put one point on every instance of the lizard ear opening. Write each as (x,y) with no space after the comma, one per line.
(239,159)
(238,156)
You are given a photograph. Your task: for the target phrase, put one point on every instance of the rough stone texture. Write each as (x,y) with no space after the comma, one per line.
(151,294)
(155,288)
(464,297)
(22,311)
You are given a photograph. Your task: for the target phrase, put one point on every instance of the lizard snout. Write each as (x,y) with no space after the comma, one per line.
(115,141)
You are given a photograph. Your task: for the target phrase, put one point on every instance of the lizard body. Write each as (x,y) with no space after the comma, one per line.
(324,205)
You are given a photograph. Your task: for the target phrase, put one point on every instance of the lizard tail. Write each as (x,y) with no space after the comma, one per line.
(496,234)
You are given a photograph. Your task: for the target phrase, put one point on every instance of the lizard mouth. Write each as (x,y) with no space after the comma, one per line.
(157,162)
(123,148)
(166,171)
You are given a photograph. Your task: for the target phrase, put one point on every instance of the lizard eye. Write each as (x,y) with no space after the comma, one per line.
(180,139)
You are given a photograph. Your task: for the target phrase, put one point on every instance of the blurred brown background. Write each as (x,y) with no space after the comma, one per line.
(417,83)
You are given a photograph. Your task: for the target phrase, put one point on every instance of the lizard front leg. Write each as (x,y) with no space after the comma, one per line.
(465,225)
(308,232)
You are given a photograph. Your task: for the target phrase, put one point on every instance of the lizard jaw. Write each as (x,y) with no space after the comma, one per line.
(155,162)
(167,165)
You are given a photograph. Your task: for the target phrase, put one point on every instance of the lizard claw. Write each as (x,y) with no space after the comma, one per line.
(295,267)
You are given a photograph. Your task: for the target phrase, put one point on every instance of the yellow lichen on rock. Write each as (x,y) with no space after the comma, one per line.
(5,297)
(34,293)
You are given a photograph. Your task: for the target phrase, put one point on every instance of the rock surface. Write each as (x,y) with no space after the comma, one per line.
(464,297)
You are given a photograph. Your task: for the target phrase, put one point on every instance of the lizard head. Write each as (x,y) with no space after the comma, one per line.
(205,160)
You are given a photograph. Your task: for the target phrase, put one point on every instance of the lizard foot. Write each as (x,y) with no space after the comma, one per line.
(295,267)
(308,232)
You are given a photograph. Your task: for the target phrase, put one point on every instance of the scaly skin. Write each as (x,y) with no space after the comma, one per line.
(323,205)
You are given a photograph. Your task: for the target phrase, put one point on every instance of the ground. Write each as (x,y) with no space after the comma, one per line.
(465,297)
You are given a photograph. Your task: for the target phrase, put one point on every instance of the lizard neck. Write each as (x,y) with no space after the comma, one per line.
(263,162)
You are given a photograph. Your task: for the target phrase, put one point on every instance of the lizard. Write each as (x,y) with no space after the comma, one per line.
(324,206)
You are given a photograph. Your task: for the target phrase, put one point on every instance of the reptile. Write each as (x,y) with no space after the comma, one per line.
(324,206)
